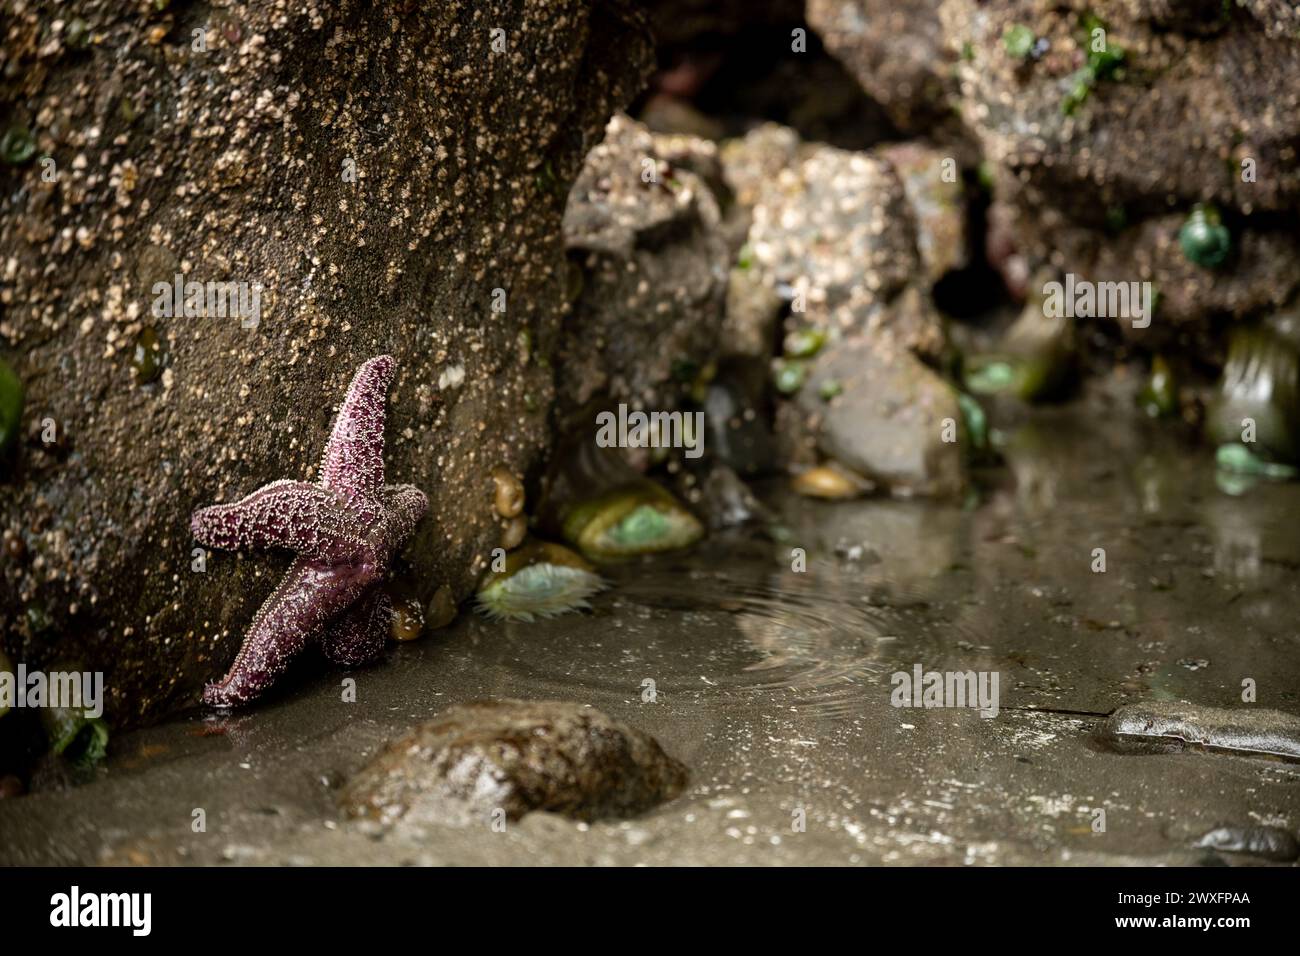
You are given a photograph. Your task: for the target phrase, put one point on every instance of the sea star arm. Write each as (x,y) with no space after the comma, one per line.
(290,618)
(404,506)
(357,635)
(304,518)
(353,462)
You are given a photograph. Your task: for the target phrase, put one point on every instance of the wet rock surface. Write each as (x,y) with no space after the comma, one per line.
(1172,726)
(887,421)
(1269,843)
(513,757)
(377,221)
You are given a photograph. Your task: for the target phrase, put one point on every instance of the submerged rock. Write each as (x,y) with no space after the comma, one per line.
(515,756)
(1173,726)
(1269,843)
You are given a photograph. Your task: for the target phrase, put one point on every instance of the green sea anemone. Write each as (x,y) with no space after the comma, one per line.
(81,740)
(637,518)
(1019,41)
(788,375)
(1036,360)
(1204,239)
(1240,460)
(977,423)
(804,343)
(542,580)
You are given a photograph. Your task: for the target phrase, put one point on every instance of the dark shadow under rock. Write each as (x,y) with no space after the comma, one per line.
(479,760)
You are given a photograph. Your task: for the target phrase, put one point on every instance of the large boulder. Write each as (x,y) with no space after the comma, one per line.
(393,176)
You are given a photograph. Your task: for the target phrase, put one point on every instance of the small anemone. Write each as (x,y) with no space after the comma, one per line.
(541,580)
(640,518)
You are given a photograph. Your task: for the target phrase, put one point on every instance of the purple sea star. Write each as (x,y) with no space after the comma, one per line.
(344,529)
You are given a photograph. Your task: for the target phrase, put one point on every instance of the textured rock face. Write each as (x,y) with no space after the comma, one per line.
(385,175)
(1101,185)
(895,49)
(515,756)
(645,234)
(837,226)
(1175,123)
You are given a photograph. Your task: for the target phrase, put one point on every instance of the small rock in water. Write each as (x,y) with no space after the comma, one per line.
(1269,843)
(1171,726)
(477,760)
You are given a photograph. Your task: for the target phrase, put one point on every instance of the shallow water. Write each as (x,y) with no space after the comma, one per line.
(773,686)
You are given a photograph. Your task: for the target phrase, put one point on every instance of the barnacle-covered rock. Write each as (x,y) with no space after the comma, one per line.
(422,217)
(933,186)
(896,50)
(1123,138)
(833,233)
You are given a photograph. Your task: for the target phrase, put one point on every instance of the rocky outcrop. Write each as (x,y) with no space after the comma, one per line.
(512,757)
(1105,123)
(391,178)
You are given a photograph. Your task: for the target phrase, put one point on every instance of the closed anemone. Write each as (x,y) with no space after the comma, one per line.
(640,518)
(540,580)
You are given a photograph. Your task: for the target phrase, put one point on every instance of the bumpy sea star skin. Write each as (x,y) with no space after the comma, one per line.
(345,530)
